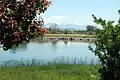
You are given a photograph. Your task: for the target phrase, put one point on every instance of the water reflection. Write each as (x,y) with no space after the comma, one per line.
(54,46)
(66,42)
(20,48)
(24,46)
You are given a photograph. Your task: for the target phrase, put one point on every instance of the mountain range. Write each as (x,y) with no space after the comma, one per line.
(71,26)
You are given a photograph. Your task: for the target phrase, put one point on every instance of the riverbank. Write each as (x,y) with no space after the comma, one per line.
(49,71)
(67,37)
(70,35)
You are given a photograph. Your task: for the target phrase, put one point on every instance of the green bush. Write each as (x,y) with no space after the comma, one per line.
(107,48)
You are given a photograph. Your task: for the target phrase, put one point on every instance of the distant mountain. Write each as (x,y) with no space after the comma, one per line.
(67,26)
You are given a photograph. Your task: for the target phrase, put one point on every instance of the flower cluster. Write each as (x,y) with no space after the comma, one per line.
(17,20)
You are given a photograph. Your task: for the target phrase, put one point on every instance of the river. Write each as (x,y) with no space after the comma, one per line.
(48,51)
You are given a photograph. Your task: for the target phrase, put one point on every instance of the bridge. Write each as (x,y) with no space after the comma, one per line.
(68,38)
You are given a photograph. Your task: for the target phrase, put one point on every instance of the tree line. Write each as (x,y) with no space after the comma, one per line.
(55,29)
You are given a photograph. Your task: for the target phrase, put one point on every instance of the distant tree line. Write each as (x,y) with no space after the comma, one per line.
(54,29)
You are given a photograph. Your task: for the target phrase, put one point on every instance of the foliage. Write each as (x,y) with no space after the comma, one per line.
(18,23)
(90,29)
(51,72)
(68,31)
(70,35)
(108,48)
(58,69)
(65,31)
(54,28)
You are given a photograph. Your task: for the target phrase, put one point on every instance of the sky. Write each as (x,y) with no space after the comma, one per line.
(80,11)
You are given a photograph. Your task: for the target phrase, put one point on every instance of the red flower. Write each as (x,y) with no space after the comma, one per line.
(42,30)
(33,3)
(17,33)
(47,3)
(45,0)
(40,11)
(16,36)
(11,19)
(0,14)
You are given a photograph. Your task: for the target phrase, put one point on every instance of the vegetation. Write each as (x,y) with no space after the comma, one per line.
(70,35)
(57,70)
(67,31)
(54,29)
(90,29)
(18,23)
(108,48)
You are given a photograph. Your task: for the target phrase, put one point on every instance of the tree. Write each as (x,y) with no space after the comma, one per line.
(108,48)
(54,28)
(90,29)
(18,23)
(65,31)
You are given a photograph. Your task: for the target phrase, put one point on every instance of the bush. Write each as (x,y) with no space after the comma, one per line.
(107,48)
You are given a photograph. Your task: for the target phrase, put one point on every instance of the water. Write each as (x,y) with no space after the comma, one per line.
(48,51)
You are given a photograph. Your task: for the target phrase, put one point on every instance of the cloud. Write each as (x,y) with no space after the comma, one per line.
(57,17)
(61,20)
(76,23)
(54,19)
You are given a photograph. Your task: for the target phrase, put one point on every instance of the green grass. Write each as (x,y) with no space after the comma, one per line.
(70,35)
(54,72)
(48,71)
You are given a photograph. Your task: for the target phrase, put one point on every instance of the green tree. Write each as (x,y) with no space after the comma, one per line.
(65,31)
(90,29)
(54,28)
(107,48)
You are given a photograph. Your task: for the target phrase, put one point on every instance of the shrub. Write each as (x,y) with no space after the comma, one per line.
(107,48)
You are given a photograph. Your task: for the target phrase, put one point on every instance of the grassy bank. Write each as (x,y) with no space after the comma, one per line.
(49,71)
(53,72)
(70,35)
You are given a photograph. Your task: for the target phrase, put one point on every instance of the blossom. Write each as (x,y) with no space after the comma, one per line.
(47,3)
(42,30)
(40,11)
(17,33)
(11,19)
(1,14)
(33,3)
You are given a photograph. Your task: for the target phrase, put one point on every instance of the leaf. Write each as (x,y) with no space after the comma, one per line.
(95,18)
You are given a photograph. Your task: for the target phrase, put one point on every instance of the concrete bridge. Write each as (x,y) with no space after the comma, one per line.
(68,38)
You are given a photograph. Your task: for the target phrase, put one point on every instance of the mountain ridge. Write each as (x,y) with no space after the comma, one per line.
(67,26)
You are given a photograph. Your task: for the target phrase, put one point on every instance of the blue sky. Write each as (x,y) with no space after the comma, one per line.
(80,11)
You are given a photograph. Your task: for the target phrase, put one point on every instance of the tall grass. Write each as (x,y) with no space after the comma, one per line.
(63,68)
(58,60)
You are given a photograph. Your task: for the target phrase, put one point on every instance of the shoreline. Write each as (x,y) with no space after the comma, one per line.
(36,70)
(69,37)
